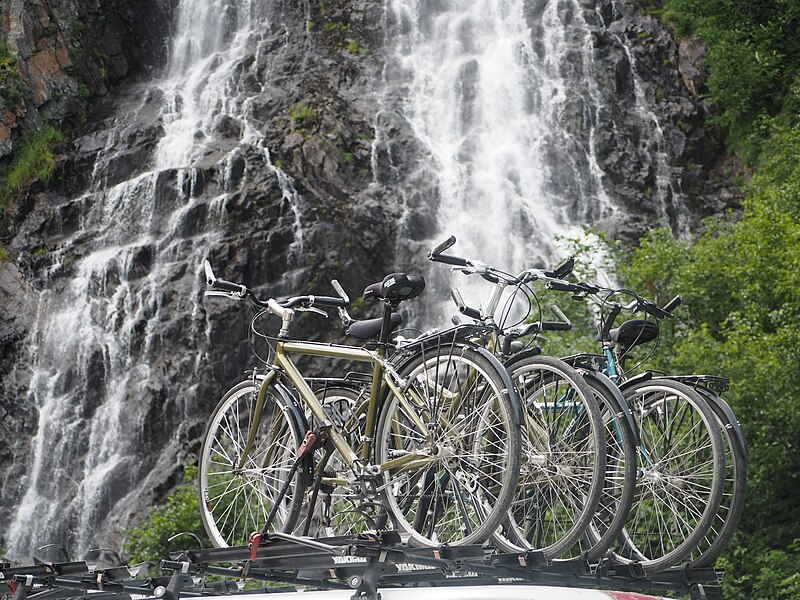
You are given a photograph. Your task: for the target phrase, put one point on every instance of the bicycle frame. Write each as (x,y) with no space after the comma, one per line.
(382,374)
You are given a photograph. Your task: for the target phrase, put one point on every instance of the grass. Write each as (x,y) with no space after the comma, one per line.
(32,159)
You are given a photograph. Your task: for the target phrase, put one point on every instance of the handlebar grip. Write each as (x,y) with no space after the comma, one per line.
(472,313)
(562,270)
(228,286)
(673,304)
(563,286)
(450,260)
(330,301)
(555,326)
(437,250)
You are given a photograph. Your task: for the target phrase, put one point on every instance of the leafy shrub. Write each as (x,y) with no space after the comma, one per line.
(180,513)
(753,62)
(741,284)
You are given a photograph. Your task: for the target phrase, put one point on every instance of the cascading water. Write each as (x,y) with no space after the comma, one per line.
(502,97)
(98,340)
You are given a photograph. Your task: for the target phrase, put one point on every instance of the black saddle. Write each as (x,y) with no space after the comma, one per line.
(634,332)
(396,287)
(369,328)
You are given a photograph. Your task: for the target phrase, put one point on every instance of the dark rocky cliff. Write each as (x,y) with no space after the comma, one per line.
(86,67)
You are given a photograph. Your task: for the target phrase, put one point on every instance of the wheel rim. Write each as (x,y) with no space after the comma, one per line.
(236,500)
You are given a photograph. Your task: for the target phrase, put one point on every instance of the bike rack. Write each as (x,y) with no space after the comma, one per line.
(361,563)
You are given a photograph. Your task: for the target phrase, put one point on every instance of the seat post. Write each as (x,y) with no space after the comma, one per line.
(386,326)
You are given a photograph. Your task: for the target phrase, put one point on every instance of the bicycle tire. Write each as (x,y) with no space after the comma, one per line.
(236,501)
(619,489)
(682,470)
(563,459)
(456,411)
(729,513)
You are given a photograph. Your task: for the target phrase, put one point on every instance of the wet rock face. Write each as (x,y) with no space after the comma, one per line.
(316,111)
(68,51)
(671,79)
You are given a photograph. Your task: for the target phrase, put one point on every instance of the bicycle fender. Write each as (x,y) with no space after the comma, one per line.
(646,376)
(507,381)
(617,393)
(723,408)
(523,355)
(291,402)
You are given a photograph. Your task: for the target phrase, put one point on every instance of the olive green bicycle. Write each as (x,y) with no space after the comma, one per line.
(436,446)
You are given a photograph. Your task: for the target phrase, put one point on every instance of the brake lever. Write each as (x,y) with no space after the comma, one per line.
(311,309)
(230,295)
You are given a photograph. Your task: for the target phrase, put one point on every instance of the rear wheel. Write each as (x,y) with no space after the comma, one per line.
(731,505)
(454,443)
(237,493)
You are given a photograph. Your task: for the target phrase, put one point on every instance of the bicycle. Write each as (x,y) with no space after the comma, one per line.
(438,448)
(681,452)
(566,473)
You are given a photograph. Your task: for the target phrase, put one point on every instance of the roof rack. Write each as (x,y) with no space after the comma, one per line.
(361,563)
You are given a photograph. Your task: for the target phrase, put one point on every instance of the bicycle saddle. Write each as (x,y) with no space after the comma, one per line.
(396,287)
(634,332)
(369,328)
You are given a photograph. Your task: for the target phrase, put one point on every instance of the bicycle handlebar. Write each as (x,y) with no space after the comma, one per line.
(282,308)
(575,288)
(673,304)
(437,250)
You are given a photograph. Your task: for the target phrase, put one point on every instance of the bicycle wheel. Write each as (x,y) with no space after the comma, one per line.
(339,508)
(731,505)
(454,426)
(236,496)
(682,471)
(619,489)
(563,459)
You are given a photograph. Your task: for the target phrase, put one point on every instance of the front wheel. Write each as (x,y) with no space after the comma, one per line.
(563,459)
(454,446)
(681,474)
(237,494)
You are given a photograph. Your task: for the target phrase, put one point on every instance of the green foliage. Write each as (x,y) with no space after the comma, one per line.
(12,90)
(150,541)
(741,284)
(32,159)
(302,114)
(753,62)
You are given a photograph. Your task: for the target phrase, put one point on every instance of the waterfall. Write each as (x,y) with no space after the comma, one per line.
(502,98)
(97,354)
